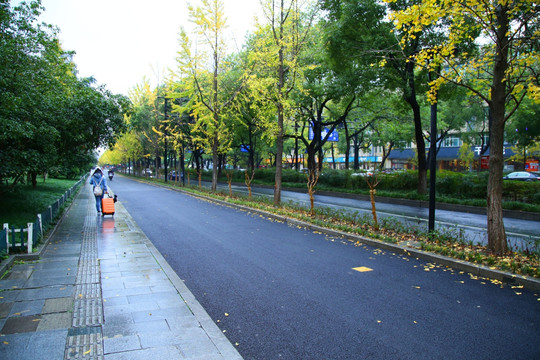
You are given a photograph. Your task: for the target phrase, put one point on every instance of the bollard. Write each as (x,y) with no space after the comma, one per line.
(30,237)
(6,229)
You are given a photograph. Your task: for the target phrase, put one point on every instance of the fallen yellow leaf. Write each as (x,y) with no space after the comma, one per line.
(87,352)
(226,314)
(6,343)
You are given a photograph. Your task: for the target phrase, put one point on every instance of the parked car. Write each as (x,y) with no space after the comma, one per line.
(148,172)
(175,176)
(523,176)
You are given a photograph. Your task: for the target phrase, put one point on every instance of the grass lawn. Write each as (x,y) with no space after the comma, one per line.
(22,205)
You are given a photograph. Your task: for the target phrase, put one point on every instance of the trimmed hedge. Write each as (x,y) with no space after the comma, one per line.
(452,184)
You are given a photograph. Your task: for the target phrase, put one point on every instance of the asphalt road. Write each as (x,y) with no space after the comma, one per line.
(521,234)
(282,292)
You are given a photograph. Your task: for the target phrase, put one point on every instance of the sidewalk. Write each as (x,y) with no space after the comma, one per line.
(101,290)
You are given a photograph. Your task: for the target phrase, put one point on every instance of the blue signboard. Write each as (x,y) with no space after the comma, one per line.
(334,136)
(244,148)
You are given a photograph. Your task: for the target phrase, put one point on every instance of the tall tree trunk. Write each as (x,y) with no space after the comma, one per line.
(356,149)
(410,97)
(333,157)
(312,177)
(495,226)
(281,114)
(347,145)
(229,180)
(33,179)
(216,115)
(215,159)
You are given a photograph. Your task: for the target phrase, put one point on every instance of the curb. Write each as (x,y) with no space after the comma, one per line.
(477,270)
(223,345)
(515,214)
(474,269)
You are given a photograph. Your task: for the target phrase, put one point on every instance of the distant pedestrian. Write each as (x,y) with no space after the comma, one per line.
(100,187)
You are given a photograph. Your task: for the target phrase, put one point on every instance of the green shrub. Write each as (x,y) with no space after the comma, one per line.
(334,178)
(449,182)
(292,176)
(357,181)
(462,185)
(523,191)
(464,188)
(474,185)
(402,181)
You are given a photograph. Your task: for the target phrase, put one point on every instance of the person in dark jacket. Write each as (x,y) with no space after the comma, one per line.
(100,187)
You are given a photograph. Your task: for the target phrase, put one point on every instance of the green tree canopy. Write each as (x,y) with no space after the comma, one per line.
(49,118)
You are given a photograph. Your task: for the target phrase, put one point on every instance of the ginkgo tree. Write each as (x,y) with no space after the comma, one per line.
(145,118)
(277,45)
(206,69)
(502,72)
(127,149)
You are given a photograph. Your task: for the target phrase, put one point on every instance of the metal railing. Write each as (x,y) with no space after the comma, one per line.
(32,234)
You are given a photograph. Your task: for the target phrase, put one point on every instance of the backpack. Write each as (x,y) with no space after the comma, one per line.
(98,191)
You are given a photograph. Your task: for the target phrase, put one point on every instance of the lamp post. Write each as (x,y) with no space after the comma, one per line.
(432,164)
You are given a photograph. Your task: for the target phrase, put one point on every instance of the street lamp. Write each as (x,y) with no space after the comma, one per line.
(432,164)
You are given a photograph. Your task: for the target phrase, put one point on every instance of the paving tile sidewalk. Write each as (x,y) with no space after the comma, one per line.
(101,290)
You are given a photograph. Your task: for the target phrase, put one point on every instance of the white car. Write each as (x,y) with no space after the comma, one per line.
(523,176)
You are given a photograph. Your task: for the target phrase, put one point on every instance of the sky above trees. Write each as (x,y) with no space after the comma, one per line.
(119,42)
